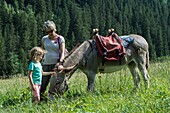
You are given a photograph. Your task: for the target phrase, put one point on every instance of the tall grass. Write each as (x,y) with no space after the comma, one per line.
(114,93)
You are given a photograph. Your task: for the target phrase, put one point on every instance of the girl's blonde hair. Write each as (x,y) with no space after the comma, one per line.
(35,51)
(49,25)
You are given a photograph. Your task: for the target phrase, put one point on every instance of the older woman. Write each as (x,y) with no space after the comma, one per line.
(54,44)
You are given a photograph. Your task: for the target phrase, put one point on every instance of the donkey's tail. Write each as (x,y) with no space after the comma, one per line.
(147,60)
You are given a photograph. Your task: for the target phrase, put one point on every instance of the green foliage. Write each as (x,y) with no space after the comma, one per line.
(13,62)
(2,54)
(114,93)
(24,95)
(21,23)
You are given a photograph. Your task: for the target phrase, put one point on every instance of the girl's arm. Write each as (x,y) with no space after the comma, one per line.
(48,73)
(30,79)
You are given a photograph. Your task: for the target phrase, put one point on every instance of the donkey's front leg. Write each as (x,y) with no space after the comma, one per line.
(91,80)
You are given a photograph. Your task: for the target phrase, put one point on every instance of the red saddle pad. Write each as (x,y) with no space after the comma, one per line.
(110,47)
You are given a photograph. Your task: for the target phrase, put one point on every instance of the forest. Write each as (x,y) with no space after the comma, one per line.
(21,25)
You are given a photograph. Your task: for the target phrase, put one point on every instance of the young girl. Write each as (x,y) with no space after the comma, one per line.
(35,72)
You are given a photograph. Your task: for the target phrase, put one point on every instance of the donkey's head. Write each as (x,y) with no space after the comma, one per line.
(58,82)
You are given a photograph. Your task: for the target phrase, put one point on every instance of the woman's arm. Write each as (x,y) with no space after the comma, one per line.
(62,49)
(43,46)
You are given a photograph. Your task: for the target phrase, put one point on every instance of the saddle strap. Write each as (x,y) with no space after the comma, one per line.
(104,53)
(116,37)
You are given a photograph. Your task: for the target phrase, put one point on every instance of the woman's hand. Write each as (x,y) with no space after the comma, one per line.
(60,67)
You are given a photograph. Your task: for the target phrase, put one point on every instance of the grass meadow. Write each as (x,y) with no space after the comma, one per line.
(114,94)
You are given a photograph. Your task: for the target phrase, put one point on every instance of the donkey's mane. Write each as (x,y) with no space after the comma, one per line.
(76,55)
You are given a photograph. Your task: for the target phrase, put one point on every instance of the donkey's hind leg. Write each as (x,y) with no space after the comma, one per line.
(144,72)
(134,71)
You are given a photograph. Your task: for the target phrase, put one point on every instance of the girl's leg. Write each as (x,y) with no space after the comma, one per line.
(36,94)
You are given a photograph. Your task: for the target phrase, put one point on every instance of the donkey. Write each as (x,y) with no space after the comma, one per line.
(86,58)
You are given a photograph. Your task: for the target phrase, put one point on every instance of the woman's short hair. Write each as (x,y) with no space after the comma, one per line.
(49,25)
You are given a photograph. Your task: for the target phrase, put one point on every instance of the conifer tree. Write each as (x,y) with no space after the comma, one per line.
(164,21)
(2,54)
(10,50)
(126,19)
(54,5)
(78,28)
(109,18)
(94,18)
(146,35)
(159,43)
(48,11)
(118,26)
(102,17)
(86,27)
(23,61)
(21,4)
(65,21)
(41,10)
